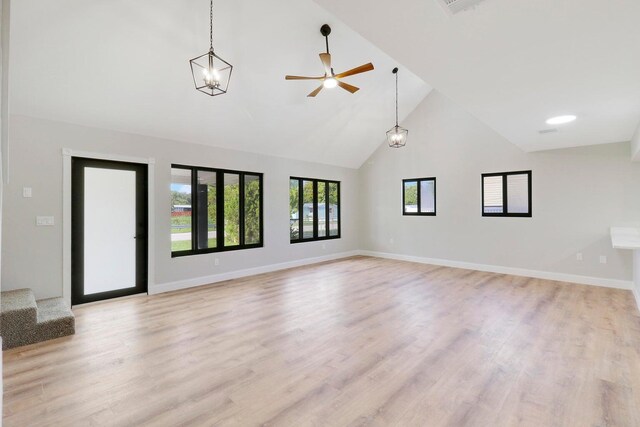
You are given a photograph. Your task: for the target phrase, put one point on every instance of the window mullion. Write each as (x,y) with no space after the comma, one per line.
(435,197)
(194,208)
(261,210)
(300,210)
(418,191)
(327,209)
(505,198)
(241,207)
(339,207)
(315,209)
(219,209)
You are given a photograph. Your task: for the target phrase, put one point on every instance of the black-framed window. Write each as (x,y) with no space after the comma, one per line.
(506,194)
(314,209)
(419,196)
(215,210)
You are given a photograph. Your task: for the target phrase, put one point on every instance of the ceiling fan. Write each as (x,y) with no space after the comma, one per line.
(331,79)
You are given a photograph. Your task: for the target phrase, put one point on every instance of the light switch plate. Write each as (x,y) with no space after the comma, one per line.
(44,221)
(26,192)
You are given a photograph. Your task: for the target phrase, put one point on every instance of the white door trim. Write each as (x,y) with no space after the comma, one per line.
(67,154)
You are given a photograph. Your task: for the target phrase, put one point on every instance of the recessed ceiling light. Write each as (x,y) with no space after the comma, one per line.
(560,120)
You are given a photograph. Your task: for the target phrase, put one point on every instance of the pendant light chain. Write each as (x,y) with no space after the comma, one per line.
(396,99)
(211,25)
(397,136)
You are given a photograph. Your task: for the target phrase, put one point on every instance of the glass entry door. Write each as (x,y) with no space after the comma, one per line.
(109,229)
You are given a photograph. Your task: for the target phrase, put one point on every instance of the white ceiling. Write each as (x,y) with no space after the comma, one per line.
(515,63)
(123,65)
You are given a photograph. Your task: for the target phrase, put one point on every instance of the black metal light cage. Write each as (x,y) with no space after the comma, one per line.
(206,62)
(397,136)
(211,74)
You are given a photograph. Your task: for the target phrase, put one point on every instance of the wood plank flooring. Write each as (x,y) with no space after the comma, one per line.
(361,341)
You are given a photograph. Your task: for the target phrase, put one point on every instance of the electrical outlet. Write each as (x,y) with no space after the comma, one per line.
(603,259)
(26,192)
(324,246)
(391,241)
(579,256)
(216,261)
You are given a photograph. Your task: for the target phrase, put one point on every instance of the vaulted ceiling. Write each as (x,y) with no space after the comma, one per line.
(123,65)
(515,63)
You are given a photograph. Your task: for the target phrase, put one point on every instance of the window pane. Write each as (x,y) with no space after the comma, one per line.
(518,193)
(294,219)
(322,209)
(251,209)
(180,210)
(411,196)
(334,206)
(307,209)
(231,209)
(492,202)
(206,229)
(427,196)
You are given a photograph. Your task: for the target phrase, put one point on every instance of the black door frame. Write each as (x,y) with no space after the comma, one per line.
(78,164)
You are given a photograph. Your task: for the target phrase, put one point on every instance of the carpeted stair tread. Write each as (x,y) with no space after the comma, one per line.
(23,320)
(18,309)
(52,309)
(19,299)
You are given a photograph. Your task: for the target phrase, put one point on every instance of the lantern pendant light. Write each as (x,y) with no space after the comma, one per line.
(397,136)
(211,74)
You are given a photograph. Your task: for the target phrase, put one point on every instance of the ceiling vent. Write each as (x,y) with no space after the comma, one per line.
(454,6)
(544,131)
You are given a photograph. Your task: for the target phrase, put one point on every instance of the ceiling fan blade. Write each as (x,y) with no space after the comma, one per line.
(326,61)
(361,69)
(348,87)
(315,92)
(302,78)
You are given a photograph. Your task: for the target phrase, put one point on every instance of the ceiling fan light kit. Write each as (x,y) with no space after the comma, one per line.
(211,73)
(330,79)
(397,135)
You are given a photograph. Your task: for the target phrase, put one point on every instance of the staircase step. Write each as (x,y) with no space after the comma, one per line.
(18,312)
(17,300)
(23,320)
(53,309)
(55,319)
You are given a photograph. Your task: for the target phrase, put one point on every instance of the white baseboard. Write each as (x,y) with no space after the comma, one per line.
(636,293)
(205,280)
(547,275)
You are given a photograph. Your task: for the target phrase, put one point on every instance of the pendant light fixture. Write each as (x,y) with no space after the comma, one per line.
(397,136)
(211,74)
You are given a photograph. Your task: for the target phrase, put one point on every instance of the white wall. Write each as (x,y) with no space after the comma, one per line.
(636,276)
(577,195)
(4,98)
(32,256)
(635,145)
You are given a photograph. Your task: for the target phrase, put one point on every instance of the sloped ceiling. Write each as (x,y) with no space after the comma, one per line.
(123,65)
(515,63)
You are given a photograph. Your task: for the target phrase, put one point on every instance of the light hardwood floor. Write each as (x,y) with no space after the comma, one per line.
(360,341)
